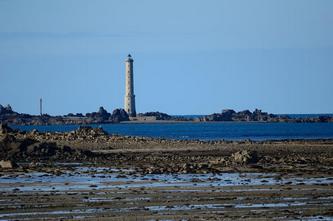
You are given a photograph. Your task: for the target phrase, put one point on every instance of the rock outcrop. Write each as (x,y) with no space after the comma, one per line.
(14,149)
(158,115)
(7,164)
(119,115)
(7,115)
(84,131)
(4,129)
(6,110)
(244,157)
(101,116)
(246,115)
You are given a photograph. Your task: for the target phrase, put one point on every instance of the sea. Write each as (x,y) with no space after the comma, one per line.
(207,131)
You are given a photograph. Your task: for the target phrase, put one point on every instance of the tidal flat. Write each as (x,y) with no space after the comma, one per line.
(87,174)
(102,193)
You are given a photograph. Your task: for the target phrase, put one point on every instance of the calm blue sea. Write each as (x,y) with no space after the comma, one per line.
(209,130)
(288,115)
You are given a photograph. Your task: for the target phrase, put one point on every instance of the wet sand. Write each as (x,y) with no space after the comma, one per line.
(104,193)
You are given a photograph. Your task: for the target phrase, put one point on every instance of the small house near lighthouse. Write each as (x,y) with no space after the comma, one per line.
(129,88)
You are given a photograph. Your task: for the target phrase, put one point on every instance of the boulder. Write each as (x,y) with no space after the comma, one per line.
(7,164)
(4,129)
(244,157)
(102,111)
(34,132)
(90,131)
(6,110)
(227,114)
(119,115)
(9,146)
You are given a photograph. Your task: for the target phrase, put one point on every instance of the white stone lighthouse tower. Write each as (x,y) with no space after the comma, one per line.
(129,88)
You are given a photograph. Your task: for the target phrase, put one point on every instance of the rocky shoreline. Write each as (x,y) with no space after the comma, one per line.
(88,174)
(8,116)
(149,155)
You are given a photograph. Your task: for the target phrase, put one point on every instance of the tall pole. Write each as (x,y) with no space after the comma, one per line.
(41,106)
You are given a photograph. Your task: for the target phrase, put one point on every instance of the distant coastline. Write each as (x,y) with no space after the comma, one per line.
(9,116)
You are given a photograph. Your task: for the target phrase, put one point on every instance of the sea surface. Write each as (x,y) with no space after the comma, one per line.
(208,130)
(293,116)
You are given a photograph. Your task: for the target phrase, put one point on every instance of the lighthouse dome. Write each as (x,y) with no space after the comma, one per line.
(129,58)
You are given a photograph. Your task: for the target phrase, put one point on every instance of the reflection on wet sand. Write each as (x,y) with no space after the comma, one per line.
(79,191)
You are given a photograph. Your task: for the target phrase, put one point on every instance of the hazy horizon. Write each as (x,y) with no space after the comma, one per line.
(190,57)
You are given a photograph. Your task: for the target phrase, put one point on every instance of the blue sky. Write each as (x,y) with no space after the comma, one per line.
(190,56)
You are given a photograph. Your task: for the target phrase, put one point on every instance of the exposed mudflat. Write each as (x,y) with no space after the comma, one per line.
(58,176)
(104,193)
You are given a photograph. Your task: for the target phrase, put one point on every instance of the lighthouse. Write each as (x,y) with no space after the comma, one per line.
(129,88)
